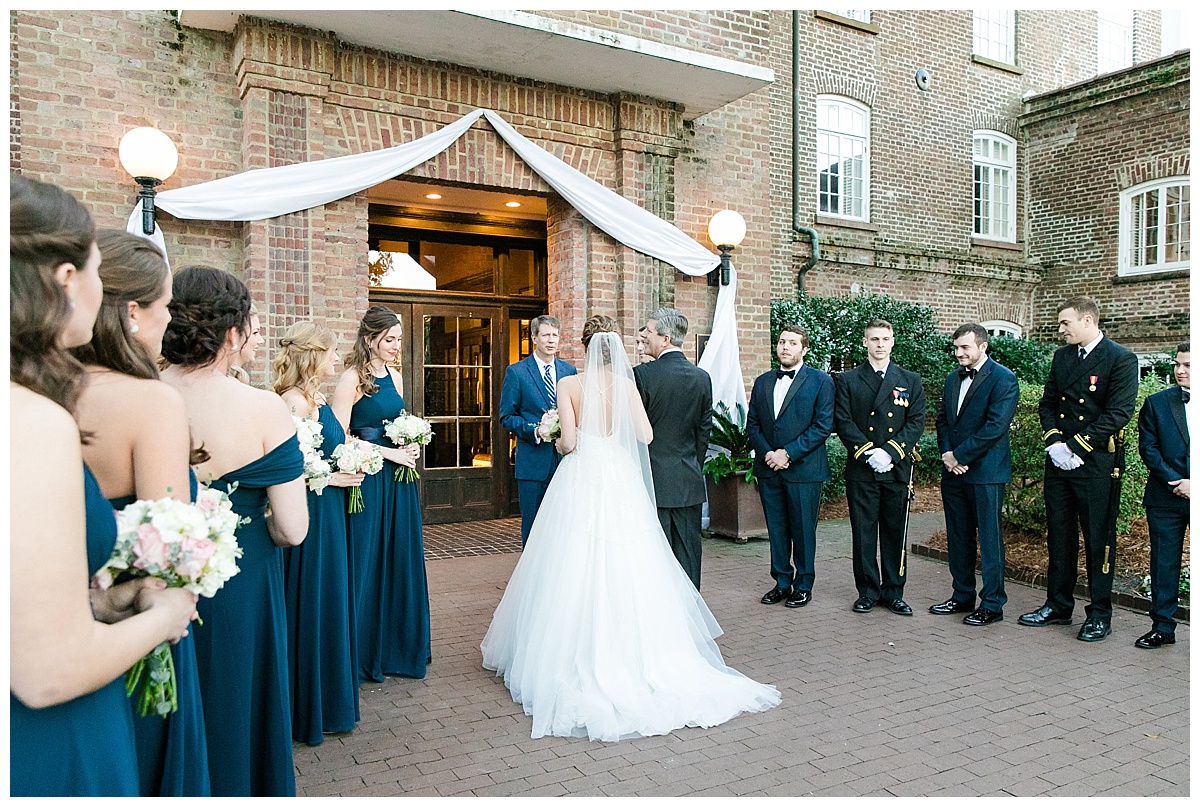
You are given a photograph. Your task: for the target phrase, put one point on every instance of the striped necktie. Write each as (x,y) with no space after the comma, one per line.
(550,387)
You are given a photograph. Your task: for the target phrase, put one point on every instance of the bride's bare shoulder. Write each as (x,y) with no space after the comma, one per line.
(571,382)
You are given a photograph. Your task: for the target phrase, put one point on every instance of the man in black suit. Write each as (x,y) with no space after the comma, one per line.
(790,417)
(879,415)
(1088,400)
(1163,440)
(678,399)
(978,404)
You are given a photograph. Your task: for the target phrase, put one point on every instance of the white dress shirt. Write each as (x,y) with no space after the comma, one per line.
(782,385)
(965,384)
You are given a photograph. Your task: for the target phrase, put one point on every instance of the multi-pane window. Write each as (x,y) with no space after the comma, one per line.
(1156,227)
(1114,39)
(860,15)
(995,189)
(843,157)
(1001,327)
(994,35)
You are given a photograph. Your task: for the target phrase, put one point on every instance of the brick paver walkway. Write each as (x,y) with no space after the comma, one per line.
(872,705)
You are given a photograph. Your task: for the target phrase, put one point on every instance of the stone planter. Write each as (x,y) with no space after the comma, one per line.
(734,509)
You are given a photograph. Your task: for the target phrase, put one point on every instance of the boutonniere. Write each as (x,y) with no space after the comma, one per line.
(900,396)
(1092,379)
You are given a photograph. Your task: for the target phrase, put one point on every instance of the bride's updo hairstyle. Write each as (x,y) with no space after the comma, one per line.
(47,228)
(378,319)
(301,353)
(133,271)
(599,323)
(207,303)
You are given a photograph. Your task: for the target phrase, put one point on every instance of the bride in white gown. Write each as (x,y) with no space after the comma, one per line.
(600,633)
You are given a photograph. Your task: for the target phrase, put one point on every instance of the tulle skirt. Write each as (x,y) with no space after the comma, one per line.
(600,633)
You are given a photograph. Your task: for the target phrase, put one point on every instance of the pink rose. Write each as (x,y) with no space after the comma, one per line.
(209,501)
(196,553)
(104,579)
(149,549)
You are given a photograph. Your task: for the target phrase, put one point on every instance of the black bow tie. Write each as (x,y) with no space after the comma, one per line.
(964,373)
(781,373)
(1187,395)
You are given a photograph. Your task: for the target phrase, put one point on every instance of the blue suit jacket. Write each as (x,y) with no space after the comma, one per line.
(523,401)
(804,423)
(978,435)
(1163,445)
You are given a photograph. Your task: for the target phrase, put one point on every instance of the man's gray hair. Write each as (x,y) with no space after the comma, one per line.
(536,324)
(671,324)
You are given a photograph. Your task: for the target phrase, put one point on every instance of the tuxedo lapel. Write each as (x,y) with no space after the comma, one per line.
(803,376)
(1179,413)
(980,377)
(953,389)
(539,383)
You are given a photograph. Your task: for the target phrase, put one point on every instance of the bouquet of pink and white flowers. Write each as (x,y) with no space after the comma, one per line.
(550,428)
(408,430)
(190,546)
(316,468)
(357,457)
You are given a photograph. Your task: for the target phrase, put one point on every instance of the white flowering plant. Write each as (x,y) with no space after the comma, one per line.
(406,430)
(192,546)
(357,457)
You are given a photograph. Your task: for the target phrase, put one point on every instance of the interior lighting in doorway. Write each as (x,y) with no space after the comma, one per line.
(512,204)
(433,196)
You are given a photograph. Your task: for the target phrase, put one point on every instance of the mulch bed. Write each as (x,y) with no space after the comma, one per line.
(927,499)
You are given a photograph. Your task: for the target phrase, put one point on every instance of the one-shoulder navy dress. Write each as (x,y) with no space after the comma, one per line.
(84,747)
(324,673)
(241,649)
(172,751)
(387,556)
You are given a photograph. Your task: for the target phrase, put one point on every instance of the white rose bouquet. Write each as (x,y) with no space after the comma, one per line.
(408,430)
(190,546)
(357,457)
(316,469)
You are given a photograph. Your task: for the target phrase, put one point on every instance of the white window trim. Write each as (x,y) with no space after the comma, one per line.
(1124,265)
(995,327)
(858,15)
(1106,18)
(1009,56)
(843,100)
(1011,235)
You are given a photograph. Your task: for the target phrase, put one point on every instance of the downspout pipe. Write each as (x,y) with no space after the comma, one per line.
(815,255)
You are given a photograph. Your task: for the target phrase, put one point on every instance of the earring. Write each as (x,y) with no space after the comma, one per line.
(133,327)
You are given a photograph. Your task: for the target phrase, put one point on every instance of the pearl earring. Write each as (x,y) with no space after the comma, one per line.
(133,327)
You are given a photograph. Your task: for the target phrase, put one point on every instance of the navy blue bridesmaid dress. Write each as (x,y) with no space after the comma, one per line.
(172,751)
(387,556)
(241,649)
(324,673)
(84,747)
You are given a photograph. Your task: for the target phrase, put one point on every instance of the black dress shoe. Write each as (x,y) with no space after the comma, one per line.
(775,595)
(952,606)
(798,599)
(1093,630)
(982,616)
(899,607)
(1044,616)
(862,605)
(1154,639)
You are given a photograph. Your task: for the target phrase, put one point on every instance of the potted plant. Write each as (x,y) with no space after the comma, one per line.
(734,509)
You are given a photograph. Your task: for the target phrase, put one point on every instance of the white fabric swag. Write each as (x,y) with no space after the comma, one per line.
(269,192)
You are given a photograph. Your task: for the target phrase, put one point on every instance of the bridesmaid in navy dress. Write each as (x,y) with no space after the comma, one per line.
(139,450)
(70,722)
(387,553)
(324,671)
(250,442)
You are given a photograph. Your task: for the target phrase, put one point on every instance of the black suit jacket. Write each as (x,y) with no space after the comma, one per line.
(804,423)
(1163,441)
(1085,404)
(678,399)
(978,434)
(888,413)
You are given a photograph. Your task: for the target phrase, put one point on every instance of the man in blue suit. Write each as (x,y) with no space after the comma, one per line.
(530,390)
(790,417)
(978,404)
(1163,436)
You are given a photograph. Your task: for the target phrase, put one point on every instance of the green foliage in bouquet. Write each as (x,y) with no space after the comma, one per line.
(730,436)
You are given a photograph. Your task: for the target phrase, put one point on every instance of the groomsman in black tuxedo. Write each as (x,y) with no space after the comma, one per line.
(1163,441)
(790,417)
(978,404)
(1087,402)
(678,399)
(879,414)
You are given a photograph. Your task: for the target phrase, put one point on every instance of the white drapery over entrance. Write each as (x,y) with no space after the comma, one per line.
(269,192)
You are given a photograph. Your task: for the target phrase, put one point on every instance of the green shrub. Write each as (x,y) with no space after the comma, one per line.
(1028,359)
(835,488)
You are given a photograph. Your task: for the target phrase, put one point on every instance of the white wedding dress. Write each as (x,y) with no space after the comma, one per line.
(600,633)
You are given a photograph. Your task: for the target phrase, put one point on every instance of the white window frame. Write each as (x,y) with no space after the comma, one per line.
(844,141)
(1114,39)
(999,327)
(994,35)
(998,197)
(1136,219)
(858,15)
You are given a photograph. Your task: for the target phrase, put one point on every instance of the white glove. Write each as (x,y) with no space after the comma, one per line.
(879,460)
(1063,457)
